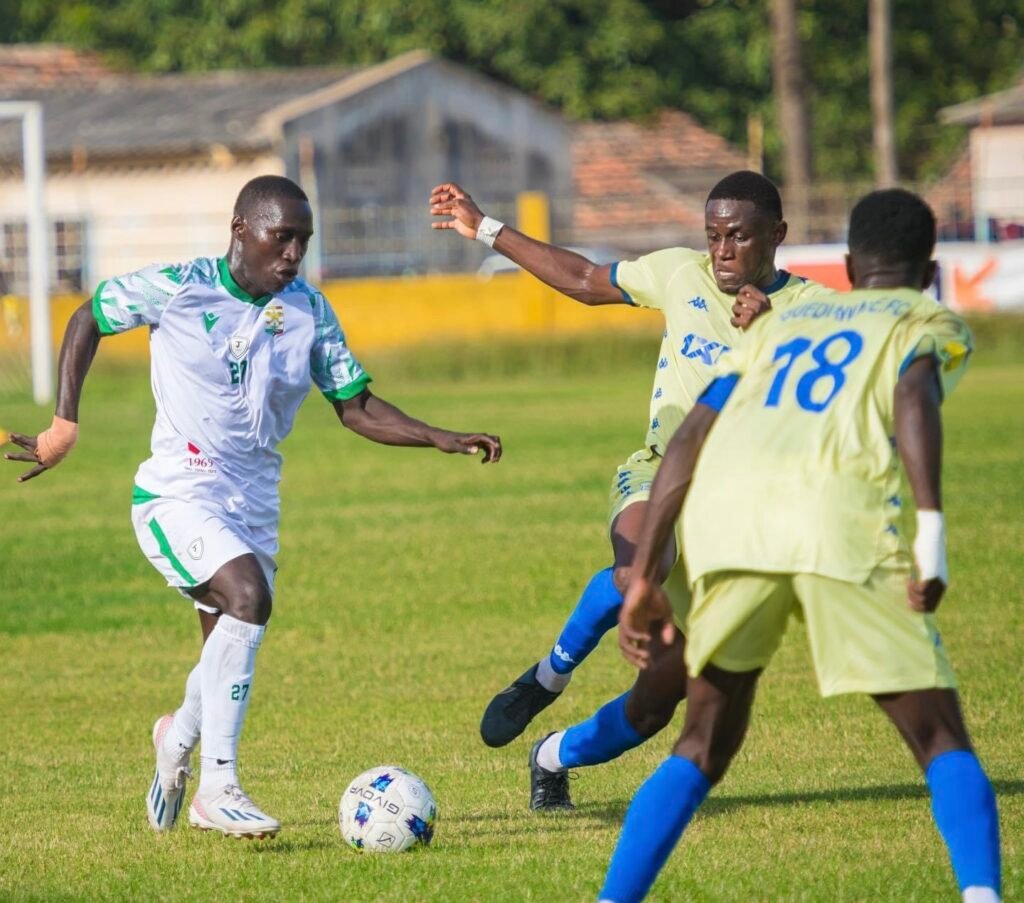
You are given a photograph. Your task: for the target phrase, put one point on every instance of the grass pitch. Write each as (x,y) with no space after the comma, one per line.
(412,587)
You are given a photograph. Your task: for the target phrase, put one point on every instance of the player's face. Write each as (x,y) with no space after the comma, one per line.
(273,241)
(742,243)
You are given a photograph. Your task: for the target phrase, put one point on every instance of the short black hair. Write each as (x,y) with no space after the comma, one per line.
(746,185)
(894,226)
(262,189)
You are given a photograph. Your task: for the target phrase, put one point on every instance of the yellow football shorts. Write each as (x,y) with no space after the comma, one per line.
(864,637)
(632,484)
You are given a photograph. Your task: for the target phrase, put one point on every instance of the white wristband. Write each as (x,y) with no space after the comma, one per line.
(930,546)
(488,231)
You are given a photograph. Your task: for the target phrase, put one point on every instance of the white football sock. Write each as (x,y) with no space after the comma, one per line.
(975,894)
(549,678)
(188,718)
(226,671)
(216,774)
(547,755)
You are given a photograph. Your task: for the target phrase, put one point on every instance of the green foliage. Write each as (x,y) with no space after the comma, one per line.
(594,58)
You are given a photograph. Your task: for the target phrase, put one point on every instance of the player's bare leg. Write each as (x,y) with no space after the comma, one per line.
(651,704)
(511,711)
(717,715)
(239,591)
(963,804)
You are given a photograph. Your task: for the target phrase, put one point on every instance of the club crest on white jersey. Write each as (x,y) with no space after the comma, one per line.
(238,345)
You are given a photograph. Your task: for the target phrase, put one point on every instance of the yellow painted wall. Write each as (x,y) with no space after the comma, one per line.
(383,313)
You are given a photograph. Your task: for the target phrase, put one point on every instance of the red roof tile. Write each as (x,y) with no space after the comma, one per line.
(639,186)
(46,65)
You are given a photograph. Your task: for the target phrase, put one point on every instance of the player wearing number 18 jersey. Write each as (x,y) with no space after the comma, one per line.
(794,455)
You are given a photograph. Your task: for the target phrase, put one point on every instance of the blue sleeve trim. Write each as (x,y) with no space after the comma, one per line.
(717,393)
(907,361)
(913,356)
(614,276)
(780,282)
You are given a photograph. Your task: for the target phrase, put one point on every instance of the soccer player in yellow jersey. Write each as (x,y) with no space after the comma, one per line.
(706,297)
(796,496)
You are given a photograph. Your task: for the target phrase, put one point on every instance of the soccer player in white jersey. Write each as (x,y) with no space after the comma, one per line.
(236,344)
(789,467)
(706,298)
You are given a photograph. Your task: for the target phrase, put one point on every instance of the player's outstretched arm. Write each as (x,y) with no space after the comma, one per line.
(50,447)
(380,421)
(645,602)
(565,271)
(919,442)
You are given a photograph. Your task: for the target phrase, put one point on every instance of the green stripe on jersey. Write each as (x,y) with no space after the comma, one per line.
(97,311)
(140,496)
(234,289)
(165,550)
(351,390)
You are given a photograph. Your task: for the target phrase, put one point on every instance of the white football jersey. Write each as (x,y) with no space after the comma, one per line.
(229,372)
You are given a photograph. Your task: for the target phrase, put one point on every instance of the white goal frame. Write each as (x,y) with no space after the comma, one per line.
(34,168)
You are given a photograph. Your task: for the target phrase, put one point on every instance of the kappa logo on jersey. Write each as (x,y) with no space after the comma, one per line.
(209,320)
(702,349)
(273,317)
(699,303)
(238,345)
(195,549)
(197,462)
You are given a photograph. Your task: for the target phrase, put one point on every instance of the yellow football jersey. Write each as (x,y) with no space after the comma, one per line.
(800,473)
(679,283)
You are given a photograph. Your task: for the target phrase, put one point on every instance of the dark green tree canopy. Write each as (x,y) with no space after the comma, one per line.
(593,58)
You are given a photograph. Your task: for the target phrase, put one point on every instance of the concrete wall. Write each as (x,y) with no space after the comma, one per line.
(136,217)
(997,172)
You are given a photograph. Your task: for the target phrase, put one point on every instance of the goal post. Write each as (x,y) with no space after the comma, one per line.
(34,168)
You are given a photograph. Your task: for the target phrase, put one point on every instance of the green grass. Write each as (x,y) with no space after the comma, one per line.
(412,587)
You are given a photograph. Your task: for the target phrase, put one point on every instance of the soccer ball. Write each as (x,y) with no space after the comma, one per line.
(387,810)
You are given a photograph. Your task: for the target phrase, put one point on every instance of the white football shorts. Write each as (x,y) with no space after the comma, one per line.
(188,542)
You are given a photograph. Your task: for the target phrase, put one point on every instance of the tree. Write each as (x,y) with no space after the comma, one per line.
(598,58)
(790,85)
(882,126)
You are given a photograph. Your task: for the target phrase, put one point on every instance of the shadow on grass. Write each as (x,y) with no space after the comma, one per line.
(293,845)
(614,810)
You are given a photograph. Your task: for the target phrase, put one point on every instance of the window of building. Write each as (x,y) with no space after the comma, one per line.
(67,255)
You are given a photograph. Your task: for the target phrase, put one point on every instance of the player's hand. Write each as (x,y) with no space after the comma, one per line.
(450,200)
(750,303)
(29,455)
(925,595)
(645,610)
(470,444)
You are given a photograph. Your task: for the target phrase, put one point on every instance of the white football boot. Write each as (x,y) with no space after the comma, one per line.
(166,793)
(230,811)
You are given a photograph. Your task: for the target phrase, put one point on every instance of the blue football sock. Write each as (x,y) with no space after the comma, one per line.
(595,614)
(604,736)
(964,807)
(656,819)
